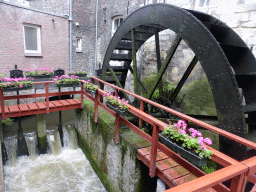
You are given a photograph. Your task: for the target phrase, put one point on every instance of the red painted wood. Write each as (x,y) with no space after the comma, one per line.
(153,156)
(64,102)
(166,164)
(6,109)
(32,106)
(13,108)
(77,100)
(23,107)
(144,151)
(97,100)
(41,105)
(184,179)
(160,156)
(71,101)
(175,172)
(82,95)
(56,103)
(142,106)
(51,105)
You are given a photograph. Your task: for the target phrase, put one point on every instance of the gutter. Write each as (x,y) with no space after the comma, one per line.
(70,35)
(96,38)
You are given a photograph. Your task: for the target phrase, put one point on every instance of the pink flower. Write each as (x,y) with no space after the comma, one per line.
(8,83)
(208,141)
(21,86)
(191,130)
(182,131)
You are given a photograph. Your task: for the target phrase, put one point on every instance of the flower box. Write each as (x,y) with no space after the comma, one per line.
(186,153)
(79,75)
(40,76)
(117,110)
(68,85)
(5,89)
(91,92)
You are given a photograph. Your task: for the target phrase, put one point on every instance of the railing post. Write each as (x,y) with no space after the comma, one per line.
(237,183)
(47,97)
(152,166)
(142,106)
(117,126)
(116,92)
(82,94)
(2,103)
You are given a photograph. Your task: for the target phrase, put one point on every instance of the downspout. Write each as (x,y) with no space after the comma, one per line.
(96,37)
(70,35)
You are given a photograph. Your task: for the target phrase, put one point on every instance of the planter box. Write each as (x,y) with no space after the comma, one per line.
(40,76)
(68,85)
(117,110)
(79,75)
(91,92)
(186,153)
(5,89)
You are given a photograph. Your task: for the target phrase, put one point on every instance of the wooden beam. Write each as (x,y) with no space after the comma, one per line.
(183,79)
(158,60)
(134,62)
(139,81)
(118,82)
(165,64)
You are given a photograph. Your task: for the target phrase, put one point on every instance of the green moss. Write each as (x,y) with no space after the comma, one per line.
(42,142)
(199,99)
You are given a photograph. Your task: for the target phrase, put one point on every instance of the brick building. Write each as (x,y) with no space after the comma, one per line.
(31,38)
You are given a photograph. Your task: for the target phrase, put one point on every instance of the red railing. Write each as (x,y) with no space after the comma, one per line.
(238,172)
(47,95)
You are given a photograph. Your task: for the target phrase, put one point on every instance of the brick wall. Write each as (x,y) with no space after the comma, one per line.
(54,39)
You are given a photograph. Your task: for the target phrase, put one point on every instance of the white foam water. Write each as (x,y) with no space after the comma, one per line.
(69,171)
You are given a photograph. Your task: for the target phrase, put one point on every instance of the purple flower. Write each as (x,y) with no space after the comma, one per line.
(191,130)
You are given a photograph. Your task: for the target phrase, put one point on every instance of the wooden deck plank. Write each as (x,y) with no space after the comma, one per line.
(50,104)
(41,105)
(71,101)
(184,179)
(175,172)
(166,164)
(23,107)
(6,109)
(77,100)
(56,103)
(14,108)
(64,102)
(32,106)
(144,151)
(160,156)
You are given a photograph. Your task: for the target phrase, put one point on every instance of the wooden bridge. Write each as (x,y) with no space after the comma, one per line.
(176,172)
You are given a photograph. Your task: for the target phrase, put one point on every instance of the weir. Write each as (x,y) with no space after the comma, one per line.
(42,172)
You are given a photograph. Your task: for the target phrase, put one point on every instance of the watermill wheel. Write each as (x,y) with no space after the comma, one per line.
(226,60)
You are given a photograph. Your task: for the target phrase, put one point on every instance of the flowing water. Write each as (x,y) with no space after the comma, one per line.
(61,170)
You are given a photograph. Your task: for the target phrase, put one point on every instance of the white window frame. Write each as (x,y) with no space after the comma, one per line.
(79,44)
(113,23)
(38,51)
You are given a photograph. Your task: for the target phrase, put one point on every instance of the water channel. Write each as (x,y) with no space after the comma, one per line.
(61,169)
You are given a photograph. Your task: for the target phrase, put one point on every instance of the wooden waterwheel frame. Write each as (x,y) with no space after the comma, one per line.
(226,60)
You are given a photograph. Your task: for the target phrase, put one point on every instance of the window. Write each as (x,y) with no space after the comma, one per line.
(32,39)
(79,44)
(203,3)
(241,1)
(116,22)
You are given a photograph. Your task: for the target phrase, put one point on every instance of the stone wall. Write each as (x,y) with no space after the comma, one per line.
(116,164)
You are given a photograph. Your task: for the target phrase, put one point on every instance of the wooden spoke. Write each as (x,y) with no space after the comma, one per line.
(117,82)
(134,62)
(183,79)
(165,64)
(158,60)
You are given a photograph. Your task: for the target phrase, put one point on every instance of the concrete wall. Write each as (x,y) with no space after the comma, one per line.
(116,164)
(54,38)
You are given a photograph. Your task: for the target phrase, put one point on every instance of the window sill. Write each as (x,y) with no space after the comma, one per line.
(33,55)
(79,51)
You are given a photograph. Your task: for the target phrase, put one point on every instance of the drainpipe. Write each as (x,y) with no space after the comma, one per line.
(96,37)
(70,35)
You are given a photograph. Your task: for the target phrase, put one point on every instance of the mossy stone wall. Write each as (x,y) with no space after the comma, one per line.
(116,164)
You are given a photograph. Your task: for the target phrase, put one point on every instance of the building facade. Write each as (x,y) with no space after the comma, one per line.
(31,38)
